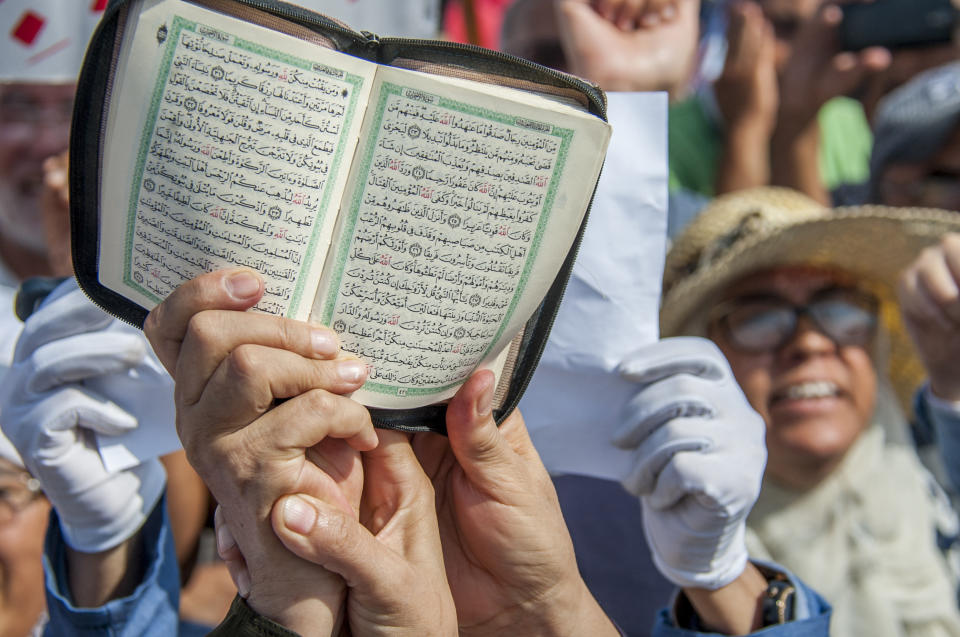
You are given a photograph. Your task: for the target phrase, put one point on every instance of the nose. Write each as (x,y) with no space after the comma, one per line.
(807,341)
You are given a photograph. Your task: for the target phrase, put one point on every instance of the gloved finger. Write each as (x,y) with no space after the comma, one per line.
(85,356)
(672,356)
(678,478)
(67,313)
(687,435)
(680,396)
(66,409)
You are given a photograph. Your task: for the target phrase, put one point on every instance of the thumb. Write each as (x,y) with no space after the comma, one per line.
(477,443)
(324,534)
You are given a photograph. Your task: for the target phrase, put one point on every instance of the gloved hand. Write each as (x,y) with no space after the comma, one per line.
(700,455)
(49,413)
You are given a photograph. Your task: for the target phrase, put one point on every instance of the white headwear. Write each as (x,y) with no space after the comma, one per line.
(409,19)
(45,40)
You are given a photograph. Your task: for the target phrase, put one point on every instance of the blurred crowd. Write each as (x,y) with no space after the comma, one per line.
(795,433)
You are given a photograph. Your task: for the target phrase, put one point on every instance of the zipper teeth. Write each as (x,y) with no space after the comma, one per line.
(372,40)
(594,95)
(311,18)
(538,354)
(121,13)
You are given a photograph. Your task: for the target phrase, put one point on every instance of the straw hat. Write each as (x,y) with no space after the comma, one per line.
(762,228)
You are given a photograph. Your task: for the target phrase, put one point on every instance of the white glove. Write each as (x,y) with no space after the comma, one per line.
(48,411)
(699,459)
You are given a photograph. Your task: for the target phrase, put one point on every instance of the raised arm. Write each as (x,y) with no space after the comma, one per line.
(929,295)
(637,45)
(261,414)
(51,404)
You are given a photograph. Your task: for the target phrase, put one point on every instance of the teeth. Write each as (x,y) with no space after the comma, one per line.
(817,389)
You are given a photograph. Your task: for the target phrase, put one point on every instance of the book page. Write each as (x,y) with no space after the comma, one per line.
(228,144)
(463,202)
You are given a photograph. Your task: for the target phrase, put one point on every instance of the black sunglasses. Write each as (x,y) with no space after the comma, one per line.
(765,323)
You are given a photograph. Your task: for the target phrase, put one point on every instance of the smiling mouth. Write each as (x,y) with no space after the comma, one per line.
(810,390)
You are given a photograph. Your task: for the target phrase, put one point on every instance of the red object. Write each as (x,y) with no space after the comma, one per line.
(98,6)
(28,28)
(489,19)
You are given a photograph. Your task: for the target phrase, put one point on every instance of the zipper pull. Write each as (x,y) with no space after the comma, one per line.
(373,40)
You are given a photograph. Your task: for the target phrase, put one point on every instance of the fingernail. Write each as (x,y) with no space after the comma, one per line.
(668,12)
(324,342)
(352,371)
(243,584)
(243,285)
(225,542)
(485,401)
(298,516)
(650,20)
(832,15)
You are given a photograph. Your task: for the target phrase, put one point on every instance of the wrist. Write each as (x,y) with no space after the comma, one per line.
(753,129)
(569,609)
(108,514)
(734,609)
(97,578)
(300,612)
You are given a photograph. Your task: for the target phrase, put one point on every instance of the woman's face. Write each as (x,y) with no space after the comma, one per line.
(815,396)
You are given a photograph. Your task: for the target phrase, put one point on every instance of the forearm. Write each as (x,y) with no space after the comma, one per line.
(795,160)
(745,162)
(97,578)
(734,609)
(568,611)
(304,614)
(151,609)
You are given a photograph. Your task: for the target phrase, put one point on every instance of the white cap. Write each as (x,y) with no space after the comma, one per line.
(45,40)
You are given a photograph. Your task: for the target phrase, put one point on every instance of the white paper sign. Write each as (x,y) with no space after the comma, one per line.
(574,402)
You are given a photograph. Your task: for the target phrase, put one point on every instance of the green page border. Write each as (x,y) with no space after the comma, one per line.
(386,90)
(180,24)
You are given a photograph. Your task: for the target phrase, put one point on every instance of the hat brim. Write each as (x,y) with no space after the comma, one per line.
(873,242)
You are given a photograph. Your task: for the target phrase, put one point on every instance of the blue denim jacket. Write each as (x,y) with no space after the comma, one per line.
(150,611)
(938,422)
(811,617)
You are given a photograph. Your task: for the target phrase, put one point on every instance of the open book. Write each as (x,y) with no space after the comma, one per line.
(423,217)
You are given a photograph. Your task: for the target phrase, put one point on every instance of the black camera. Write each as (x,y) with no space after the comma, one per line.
(897,23)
